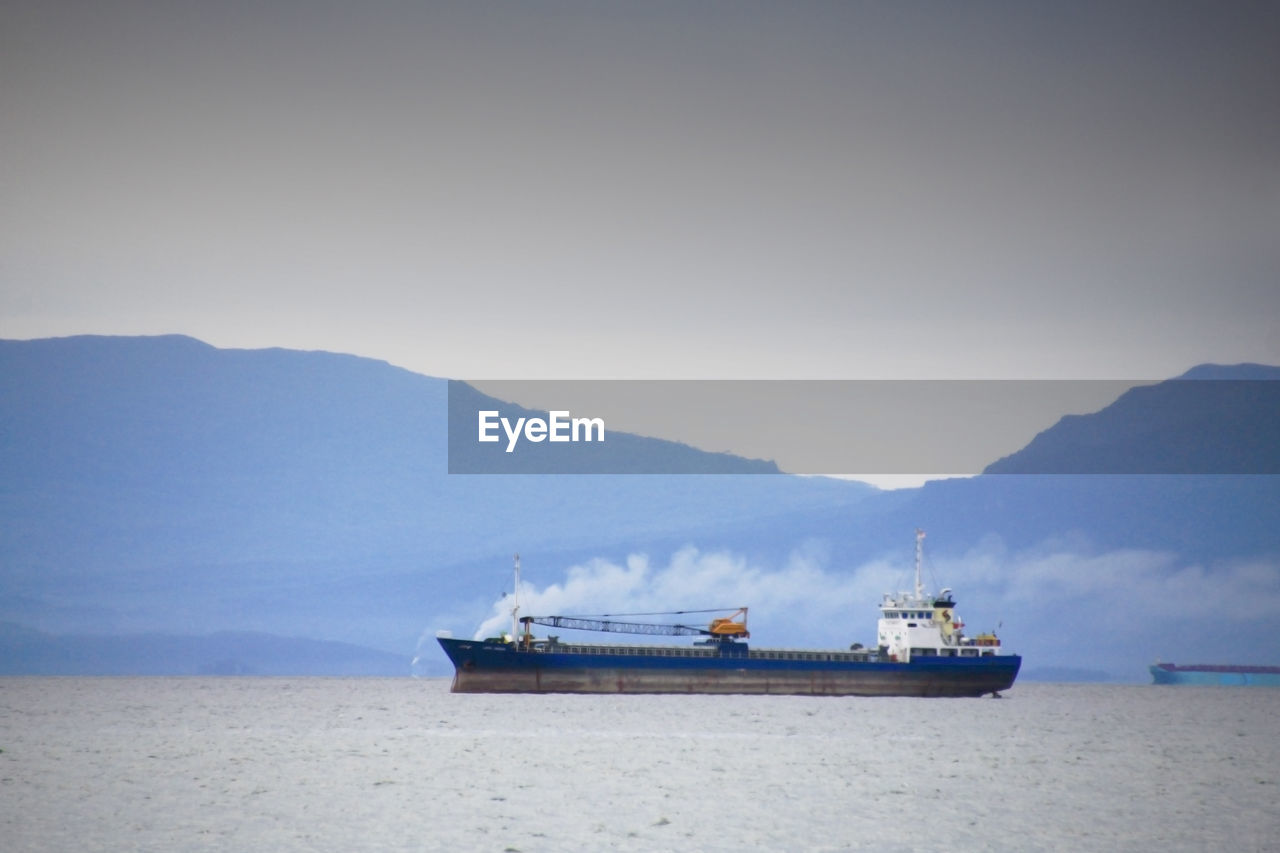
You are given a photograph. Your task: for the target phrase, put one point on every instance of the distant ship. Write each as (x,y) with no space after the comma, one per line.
(1216,675)
(921,650)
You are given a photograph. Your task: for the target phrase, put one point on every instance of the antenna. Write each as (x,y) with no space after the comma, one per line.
(919,559)
(515,602)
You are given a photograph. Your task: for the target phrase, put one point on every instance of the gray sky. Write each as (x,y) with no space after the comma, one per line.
(648,189)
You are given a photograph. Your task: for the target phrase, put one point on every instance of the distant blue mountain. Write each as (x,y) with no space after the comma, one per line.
(1212,420)
(166,488)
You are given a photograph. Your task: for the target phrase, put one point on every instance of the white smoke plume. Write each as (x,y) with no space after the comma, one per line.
(797,601)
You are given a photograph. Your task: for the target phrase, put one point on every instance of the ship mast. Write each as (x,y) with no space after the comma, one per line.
(515,602)
(919,559)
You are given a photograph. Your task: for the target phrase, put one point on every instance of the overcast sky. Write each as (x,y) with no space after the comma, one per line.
(686,189)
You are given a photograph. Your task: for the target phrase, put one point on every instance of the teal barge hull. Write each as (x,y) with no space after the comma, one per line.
(1216,675)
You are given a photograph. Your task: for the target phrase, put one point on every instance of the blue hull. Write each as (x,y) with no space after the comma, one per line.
(493,667)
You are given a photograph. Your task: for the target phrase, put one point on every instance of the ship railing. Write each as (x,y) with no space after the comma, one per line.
(810,655)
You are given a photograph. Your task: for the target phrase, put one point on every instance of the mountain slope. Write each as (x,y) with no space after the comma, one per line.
(1212,420)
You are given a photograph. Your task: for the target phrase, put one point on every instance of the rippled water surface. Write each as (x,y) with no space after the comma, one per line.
(402,764)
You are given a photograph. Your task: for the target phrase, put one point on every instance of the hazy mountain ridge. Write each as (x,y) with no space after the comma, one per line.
(1212,420)
(163,486)
(251,456)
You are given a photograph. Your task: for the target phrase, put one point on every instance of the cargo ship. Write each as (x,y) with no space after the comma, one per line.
(921,650)
(1216,675)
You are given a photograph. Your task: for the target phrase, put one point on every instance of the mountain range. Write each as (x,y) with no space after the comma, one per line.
(196,509)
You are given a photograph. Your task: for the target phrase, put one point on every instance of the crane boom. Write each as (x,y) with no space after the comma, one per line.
(616,627)
(720,628)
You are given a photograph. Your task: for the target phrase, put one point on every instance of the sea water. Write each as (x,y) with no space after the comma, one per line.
(280,764)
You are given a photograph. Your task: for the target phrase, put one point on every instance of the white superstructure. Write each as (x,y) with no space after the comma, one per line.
(914,625)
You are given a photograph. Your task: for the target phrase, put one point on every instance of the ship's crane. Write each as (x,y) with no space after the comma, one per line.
(723,628)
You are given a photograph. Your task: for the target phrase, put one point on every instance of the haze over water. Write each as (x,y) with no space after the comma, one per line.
(402,764)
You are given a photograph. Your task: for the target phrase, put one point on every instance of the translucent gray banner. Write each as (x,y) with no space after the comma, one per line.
(861,427)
